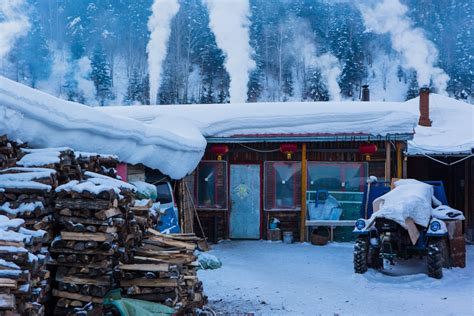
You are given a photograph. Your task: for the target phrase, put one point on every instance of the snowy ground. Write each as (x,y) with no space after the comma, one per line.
(268,278)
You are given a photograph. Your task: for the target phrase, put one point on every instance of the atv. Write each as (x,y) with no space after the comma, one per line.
(385,237)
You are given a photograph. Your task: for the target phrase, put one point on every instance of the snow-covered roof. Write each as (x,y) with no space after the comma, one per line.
(452,130)
(254,120)
(173,138)
(46,121)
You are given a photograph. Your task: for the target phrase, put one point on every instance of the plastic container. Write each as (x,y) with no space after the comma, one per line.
(288,237)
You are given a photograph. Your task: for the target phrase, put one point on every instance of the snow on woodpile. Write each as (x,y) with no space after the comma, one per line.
(96,184)
(46,121)
(289,118)
(452,130)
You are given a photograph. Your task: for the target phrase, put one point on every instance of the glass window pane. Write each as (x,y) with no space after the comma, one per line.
(282,185)
(164,194)
(211,185)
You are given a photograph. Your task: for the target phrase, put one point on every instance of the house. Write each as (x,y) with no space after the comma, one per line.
(250,163)
(253,166)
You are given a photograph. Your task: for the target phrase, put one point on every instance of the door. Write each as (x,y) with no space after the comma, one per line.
(245,201)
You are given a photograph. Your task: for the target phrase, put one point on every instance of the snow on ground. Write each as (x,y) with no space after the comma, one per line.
(272,278)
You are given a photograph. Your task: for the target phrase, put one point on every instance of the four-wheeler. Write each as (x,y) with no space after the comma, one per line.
(380,238)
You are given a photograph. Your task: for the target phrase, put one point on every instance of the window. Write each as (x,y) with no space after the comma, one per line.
(282,185)
(164,194)
(341,189)
(337,176)
(211,185)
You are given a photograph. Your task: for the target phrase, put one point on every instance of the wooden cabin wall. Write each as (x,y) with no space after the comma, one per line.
(215,223)
(458,181)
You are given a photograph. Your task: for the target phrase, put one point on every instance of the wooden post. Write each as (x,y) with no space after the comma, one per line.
(304,177)
(388,161)
(399,160)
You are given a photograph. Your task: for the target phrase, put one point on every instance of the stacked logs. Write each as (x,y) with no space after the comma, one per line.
(28,195)
(98,163)
(60,159)
(9,152)
(24,278)
(163,270)
(95,235)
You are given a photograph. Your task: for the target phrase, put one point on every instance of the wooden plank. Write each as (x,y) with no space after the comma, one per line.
(388,161)
(330,223)
(8,283)
(86,236)
(399,148)
(149,282)
(104,280)
(79,297)
(304,178)
(151,267)
(172,243)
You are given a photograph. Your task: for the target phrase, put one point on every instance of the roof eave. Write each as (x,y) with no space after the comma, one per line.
(308,138)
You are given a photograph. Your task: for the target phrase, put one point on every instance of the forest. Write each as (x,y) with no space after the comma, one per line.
(95,52)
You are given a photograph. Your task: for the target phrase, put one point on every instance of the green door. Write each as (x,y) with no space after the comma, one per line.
(245,201)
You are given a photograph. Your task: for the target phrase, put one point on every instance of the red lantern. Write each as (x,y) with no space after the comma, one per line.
(288,149)
(367,150)
(219,150)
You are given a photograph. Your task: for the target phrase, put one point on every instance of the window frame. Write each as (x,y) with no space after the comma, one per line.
(226,186)
(296,165)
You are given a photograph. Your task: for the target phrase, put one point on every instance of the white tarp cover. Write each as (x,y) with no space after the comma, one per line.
(409,199)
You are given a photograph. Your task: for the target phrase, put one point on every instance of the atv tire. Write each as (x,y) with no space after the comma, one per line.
(375,262)
(435,258)
(361,248)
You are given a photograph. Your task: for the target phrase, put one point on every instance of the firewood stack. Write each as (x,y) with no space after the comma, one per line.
(61,159)
(24,278)
(9,152)
(163,270)
(98,163)
(95,235)
(28,196)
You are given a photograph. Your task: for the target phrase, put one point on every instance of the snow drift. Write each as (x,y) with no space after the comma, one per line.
(290,118)
(45,121)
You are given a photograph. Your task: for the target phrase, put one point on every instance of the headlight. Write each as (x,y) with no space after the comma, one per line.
(360,224)
(435,226)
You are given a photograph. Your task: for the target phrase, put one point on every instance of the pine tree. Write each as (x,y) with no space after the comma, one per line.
(101,76)
(413,87)
(134,89)
(315,89)
(32,54)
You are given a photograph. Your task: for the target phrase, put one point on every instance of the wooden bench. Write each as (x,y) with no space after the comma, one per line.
(329,223)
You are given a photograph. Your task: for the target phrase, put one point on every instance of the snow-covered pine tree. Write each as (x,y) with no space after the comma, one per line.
(101,75)
(413,87)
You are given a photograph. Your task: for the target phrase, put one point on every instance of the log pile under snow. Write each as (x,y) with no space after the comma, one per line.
(163,270)
(9,152)
(98,229)
(24,277)
(94,215)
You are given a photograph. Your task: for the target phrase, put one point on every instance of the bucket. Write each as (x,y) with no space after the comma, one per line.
(288,237)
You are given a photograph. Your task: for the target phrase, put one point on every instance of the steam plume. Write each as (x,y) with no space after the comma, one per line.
(230,24)
(13,24)
(417,51)
(159,25)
